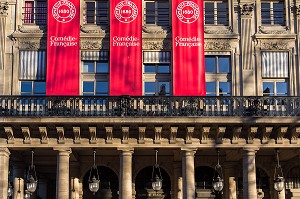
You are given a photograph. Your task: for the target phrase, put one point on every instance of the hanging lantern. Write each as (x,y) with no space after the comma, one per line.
(94,182)
(218,180)
(27,194)
(157,180)
(10,190)
(278,175)
(31,183)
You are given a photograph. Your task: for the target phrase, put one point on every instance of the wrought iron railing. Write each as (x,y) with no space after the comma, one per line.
(165,106)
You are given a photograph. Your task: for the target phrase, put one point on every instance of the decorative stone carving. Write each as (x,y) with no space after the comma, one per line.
(125,135)
(159,44)
(220,134)
(217,44)
(61,135)
(40,29)
(26,134)
(295,132)
(280,134)
(157,136)
(247,9)
(189,135)
(156,30)
(266,132)
(3,8)
(109,135)
(218,30)
(236,135)
(93,135)
(44,135)
(10,135)
(32,43)
(263,30)
(205,132)
(86,29)
(76,131)
(173,135)
(91,44)
(142,131)
(250,134)
(273,44)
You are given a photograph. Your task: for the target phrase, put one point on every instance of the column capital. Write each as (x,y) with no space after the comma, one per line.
(63,150)
(125,150)
(189,151)
(249,150)
(4,151)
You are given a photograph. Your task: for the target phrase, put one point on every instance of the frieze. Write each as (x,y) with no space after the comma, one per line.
(217,44)
(162,44)
(91,44)
(263,30)
(32,44)
(86,29)
(211,30)
(267,44)
(3,8)
(23,29)
(156,30)
(247,9)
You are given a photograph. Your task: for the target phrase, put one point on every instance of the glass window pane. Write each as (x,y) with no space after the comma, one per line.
(209,13)
(224,64)
(282,88)
(88,66)
(210,64)
(163,69)
(88,86)
(224,89)
(149,87)
(149,68)
(26,87)
(102,87)
(102,67)
(39,88)
(211,88)
(268,88)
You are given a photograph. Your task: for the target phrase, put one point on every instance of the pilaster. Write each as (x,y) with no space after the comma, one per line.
(4,163)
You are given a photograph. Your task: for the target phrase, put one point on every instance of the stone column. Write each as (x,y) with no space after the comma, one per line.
(230,183)
(18,175)
(188,173)
(4,161)
(63,173)
(125,173)
(249,174)
(177,168)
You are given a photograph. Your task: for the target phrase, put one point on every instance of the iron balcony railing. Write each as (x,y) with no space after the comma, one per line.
(163,106)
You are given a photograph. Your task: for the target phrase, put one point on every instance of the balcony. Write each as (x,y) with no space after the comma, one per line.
(154,106)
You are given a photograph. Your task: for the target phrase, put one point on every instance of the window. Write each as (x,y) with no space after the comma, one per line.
(33,88)
(272,12)
(157,73)
(156,13)
(35,12)
(275,73)
(97,12)
(216,12)
(95,73)
(218,82)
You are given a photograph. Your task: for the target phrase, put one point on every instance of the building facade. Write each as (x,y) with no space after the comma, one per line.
(250,113)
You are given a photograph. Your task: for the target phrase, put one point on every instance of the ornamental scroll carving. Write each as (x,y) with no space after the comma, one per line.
(267,44)
(3,8)
(160,44)
(247,9)
(220,44)
(32,44)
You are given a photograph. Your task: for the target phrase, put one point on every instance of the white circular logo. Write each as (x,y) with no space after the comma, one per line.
(126,11)
(187,11)
(63,11)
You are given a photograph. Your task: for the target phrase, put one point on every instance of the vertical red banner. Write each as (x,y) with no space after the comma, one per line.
(63,37)
(188,48)
(125,47)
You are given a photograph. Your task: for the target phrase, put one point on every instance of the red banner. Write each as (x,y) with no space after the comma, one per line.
(188,48)
(125,47)
(63,47)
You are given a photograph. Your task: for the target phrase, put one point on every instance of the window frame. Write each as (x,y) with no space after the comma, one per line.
(216,14)
(156,13)
(32,92)
(98,9)
(37,15)
(270,20)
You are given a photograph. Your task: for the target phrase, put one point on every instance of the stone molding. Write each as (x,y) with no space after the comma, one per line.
(31,29)
(218,30)
(281,30)
(273,44)
(157,44)
(247,9)
(218,44)
(93,30)
(92,44)
(26,43)
(3,8)
(156,30)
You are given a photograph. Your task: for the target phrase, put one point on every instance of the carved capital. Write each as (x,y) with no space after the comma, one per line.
(247,9)
(3,8)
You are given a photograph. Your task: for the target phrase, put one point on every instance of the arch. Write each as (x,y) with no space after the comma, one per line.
(203,179)
(143,184)
(109,184)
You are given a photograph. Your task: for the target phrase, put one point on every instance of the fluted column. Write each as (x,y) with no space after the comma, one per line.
(18,184)
(126,173)
(4,161)
(188,173)
(63,173)
(177,168)
(249,174)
